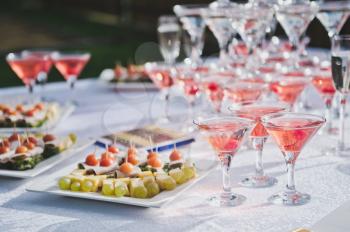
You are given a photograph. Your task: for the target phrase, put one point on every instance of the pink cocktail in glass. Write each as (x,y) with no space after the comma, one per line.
(213,89)
(258,137)
(323,83)
(225,135)
(291,132)
(243,91)
(48,63)
(44,54)
(161,75)
(289,89)
(188,81)
(70,64)
(26,67)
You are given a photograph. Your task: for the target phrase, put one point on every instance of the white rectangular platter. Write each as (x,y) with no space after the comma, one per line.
(48,184)
(48,163)
(66,110)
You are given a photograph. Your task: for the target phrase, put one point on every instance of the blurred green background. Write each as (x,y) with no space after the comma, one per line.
(112,30)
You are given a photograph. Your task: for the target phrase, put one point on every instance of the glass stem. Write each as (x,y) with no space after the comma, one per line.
(31,97)
(251,62)
(224,50)
(71,82)
(30,89)
(226,179)
(258,144)
(296,53)
(165,97)
(328,115)
(191,109)
(342,109)
(195,51)
(290,175)
(222,57)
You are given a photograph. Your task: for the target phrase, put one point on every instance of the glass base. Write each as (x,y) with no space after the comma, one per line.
(290,198)
(333,152)
(258,181)
(226,200)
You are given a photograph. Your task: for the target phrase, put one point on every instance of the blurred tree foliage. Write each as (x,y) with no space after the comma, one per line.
(112,30)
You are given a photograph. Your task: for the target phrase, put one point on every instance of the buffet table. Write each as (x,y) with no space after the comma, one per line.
(102,110)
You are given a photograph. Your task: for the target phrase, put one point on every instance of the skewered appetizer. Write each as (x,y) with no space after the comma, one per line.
(131,73)
(28,115)
(119,174)
(23,152)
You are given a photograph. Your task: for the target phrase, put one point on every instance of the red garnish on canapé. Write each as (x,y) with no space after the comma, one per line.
(21,149)
(29,145)
(154,162)
(4,149)
(91,160)
(113,149)
(31,112)
(39,106)
(133,159)
(152,154)
(14,137)
(126,168)
(175,155)
(49,138)
(106,161)
(33,140)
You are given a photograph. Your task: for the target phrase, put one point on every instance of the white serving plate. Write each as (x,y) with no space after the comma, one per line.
(48,184)
(66,110)
(48,163)
(107,76)
(134,86)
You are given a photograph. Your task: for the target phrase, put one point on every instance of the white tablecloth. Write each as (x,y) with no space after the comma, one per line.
(100,108)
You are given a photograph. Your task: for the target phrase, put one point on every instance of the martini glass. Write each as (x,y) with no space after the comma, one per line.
(46,56)
(295,16)
(333,15)
(70,64)
(193,23)
(161,75)
(323,83)
(288,89)
(258,137)
(251,22)
(243,91)
(341,79)
(218,22)
(188,81)
(213,88)
(225,135)
(169,38)
(26,67)
(291,132)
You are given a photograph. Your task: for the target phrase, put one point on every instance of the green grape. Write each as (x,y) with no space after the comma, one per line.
(87,186)
(75,186)
(166,183)
(152,189)
(120,189)
(189,172)
(64,183)
(107,189)
(178,175)
(139,192)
